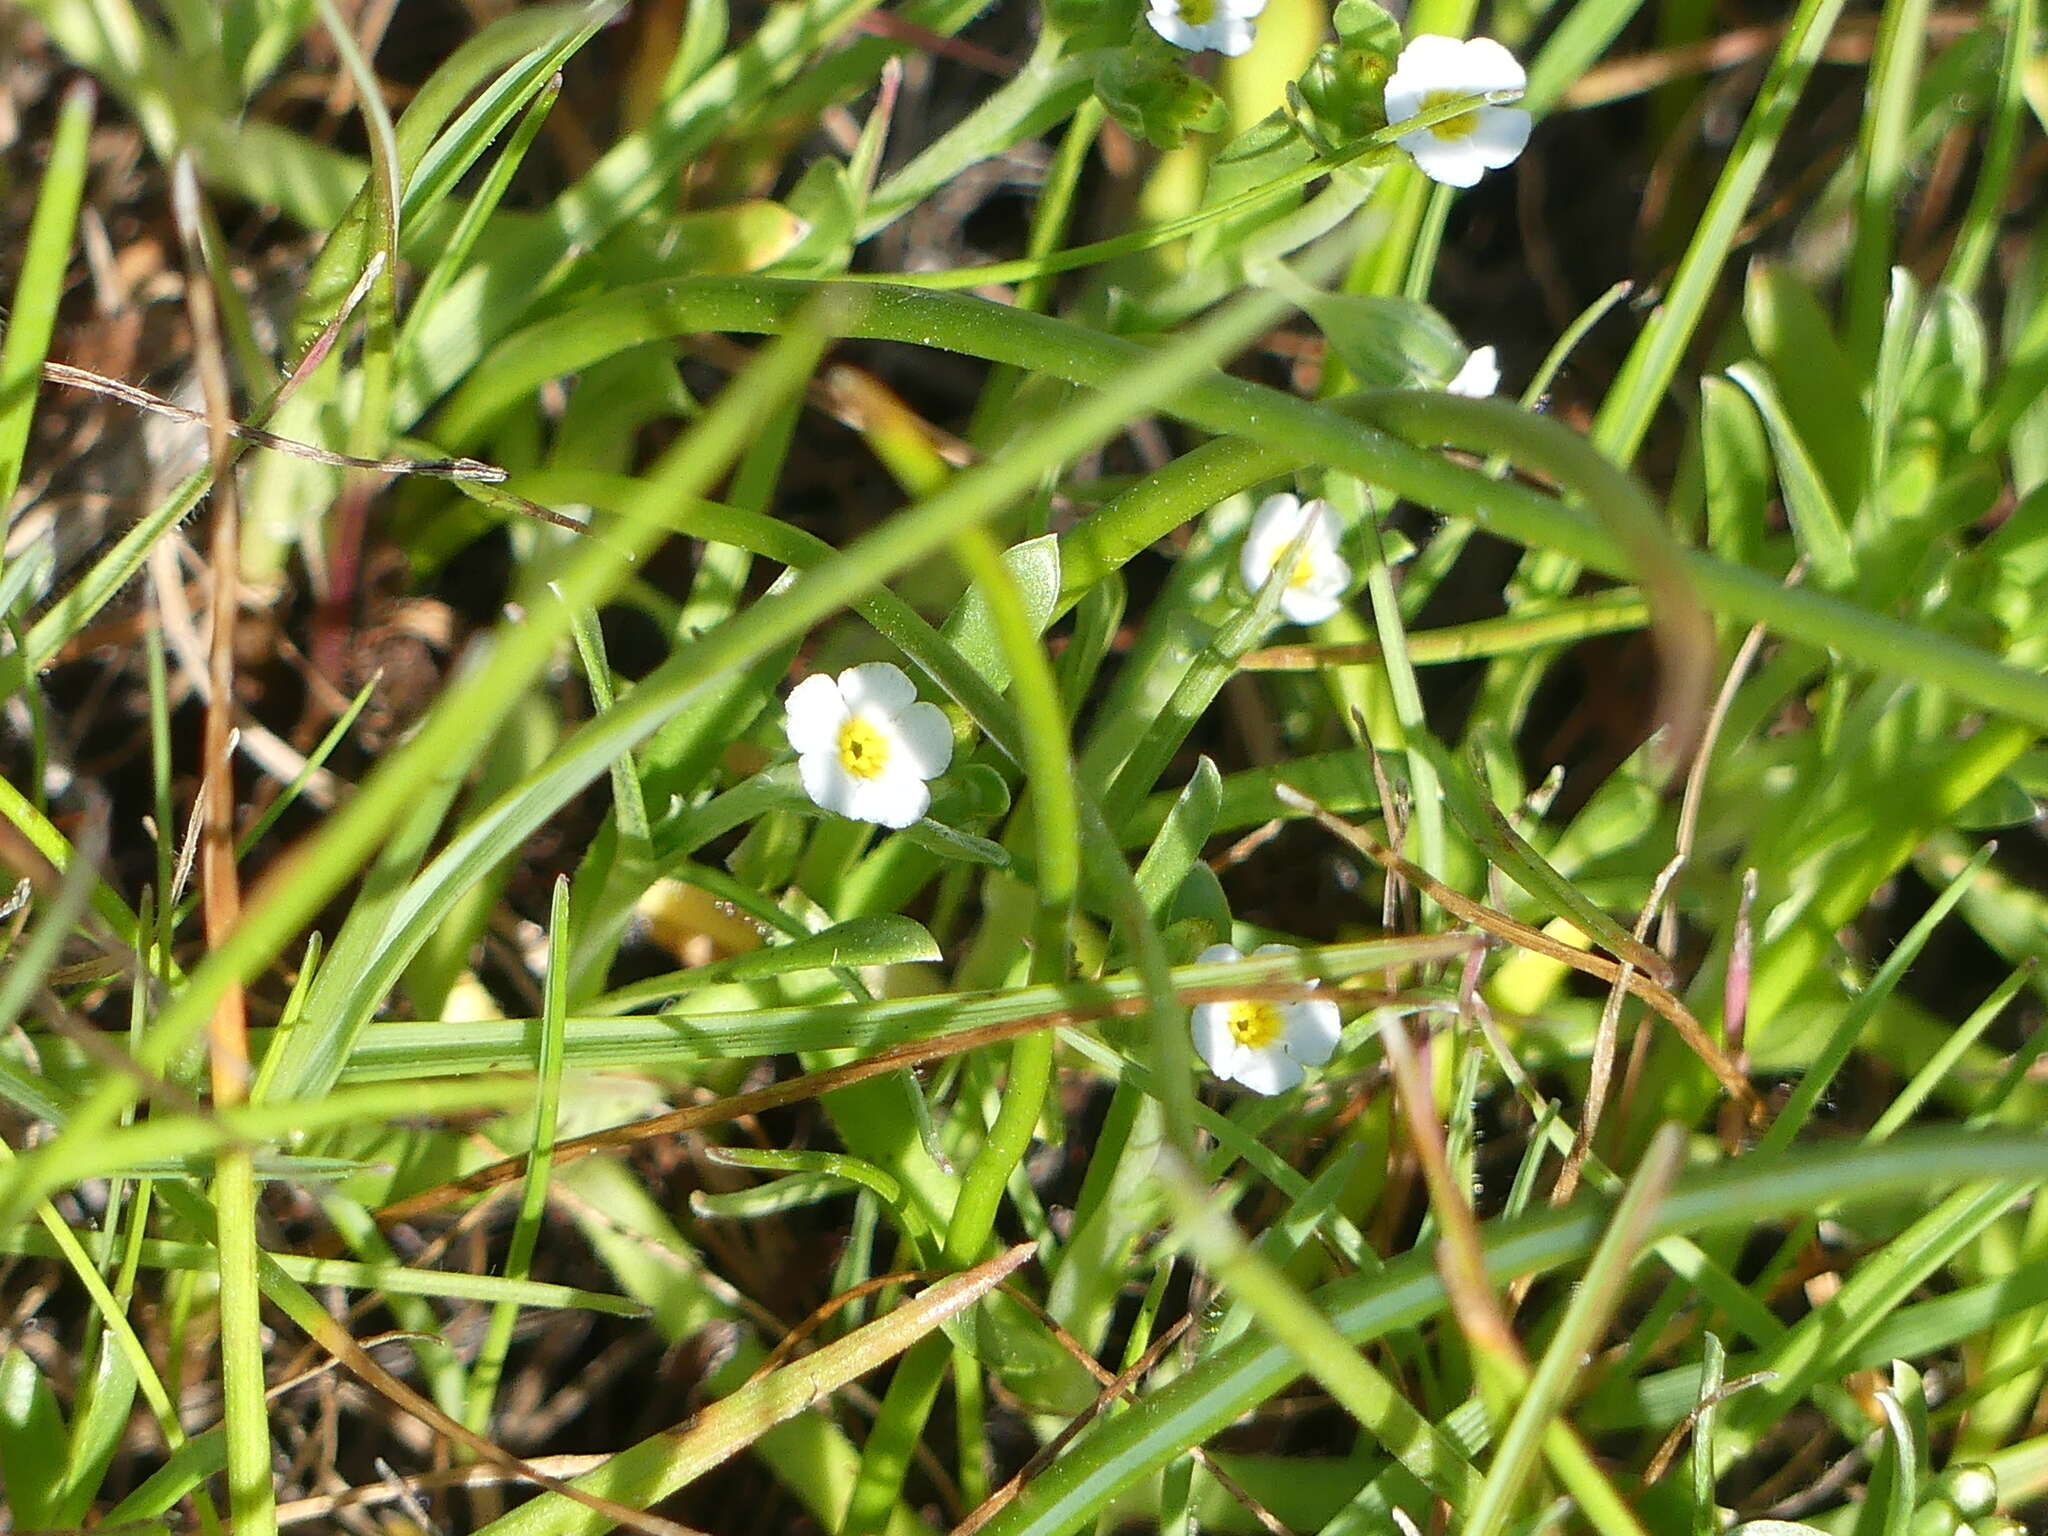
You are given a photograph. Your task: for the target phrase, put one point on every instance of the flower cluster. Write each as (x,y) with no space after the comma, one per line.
(1267,1047)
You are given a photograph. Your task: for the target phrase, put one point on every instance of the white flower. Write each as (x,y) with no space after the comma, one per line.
(1315,587)
(1224,25)
(865,745)
(1434,70)
(1479,377)
(1265,1046)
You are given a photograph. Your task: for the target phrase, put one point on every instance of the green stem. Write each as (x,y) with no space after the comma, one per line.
(252,1500)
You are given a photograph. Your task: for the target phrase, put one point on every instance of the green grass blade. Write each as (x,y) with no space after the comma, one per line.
(32,316)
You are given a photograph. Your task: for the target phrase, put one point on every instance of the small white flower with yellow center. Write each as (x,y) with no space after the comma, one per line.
(1434,71)
(865,744)
(1314,588)
(1268,1047)
(1479,378)
(1224,25)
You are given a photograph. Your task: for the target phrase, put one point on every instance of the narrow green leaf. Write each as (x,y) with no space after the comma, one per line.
(1815,521)
(32,315)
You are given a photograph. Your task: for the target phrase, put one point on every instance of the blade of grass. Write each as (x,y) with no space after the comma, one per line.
(489,1368)
(1594,1300)
(38,290)
(1887,114)
(1653,361)
(1317,1348)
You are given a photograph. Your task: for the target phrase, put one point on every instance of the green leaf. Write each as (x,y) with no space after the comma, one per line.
(1366,24)
(1388,342)
(40,285)
(1816,522)
(883,939)
(1179,844)
(827,205)
(32,1441)
(1254,159)
(1822,393)
(1034,566)
(2002,803)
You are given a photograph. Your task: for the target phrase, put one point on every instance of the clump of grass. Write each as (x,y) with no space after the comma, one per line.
(481,1048)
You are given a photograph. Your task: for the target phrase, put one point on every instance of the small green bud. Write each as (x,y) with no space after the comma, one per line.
(1345,88)
(1156,99)
(1937,1517)
(1997,1525)
(1971,1486)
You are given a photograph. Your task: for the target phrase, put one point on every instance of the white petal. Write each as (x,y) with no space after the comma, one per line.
(1479,377)
(1484,65)
(880,685)
(1428,63)
(1218,952)
(828,784)
(1168,22)
(1273,527)
(1232,36)
(892,800)
(1501,135)
(925,737)
(815,712)
(1275,949)
(1312,1031)
(1209,1024)
(1450,161)
(1309,605)
(1268,1072)
(1279,514)
(1321,520)
(1278,522)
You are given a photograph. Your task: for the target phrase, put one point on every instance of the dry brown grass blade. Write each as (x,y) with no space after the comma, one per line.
(1600,1073)
(69,377)
(324,1507)
(1520,934)
(810,1085)
(219,881)
(1460,1254)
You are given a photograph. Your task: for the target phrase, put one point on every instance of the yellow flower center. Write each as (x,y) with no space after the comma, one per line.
(1255,1026)
(863,750)
(1198,13)
(1304,572)
(1463,126)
